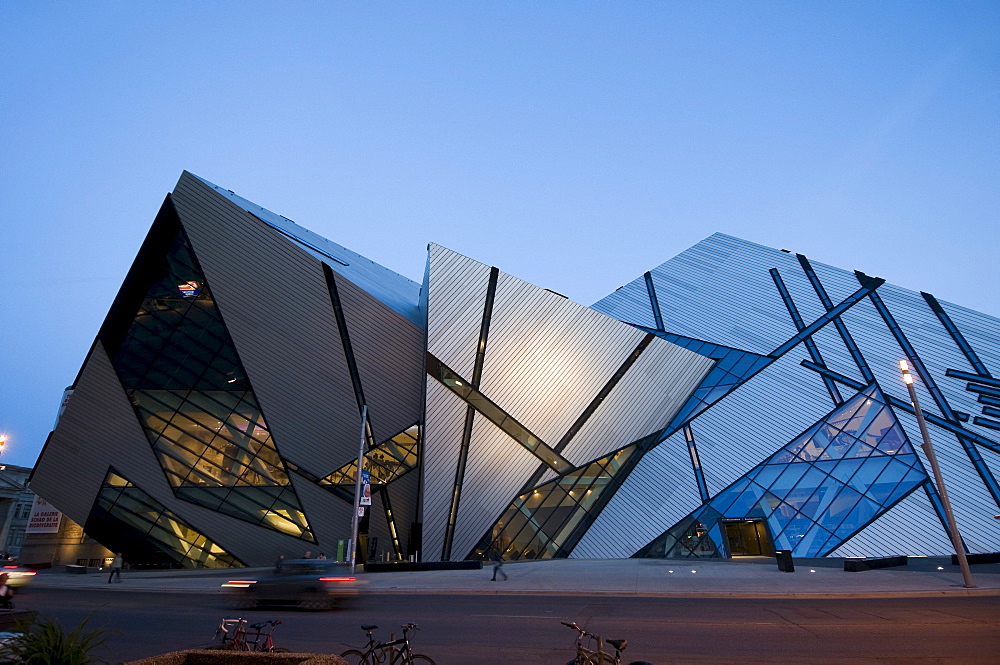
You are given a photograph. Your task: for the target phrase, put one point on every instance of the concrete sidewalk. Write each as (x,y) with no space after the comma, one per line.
(742,578)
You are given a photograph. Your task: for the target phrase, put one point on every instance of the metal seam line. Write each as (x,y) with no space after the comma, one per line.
(604,392)
(470,415)
(925,376)
(810,343)
(653,302)
(592,407)
(487,408)
(956,334)
(845,334)
(699,474)
(352,366)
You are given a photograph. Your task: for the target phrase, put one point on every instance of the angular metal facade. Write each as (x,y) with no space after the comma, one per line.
(732,400)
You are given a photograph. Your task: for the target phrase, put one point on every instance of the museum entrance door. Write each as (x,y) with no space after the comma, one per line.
(748,538)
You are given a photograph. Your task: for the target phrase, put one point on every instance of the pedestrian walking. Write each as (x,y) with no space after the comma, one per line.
(116,568)
(307,554)
(321,556)
(278,564)
(498,566)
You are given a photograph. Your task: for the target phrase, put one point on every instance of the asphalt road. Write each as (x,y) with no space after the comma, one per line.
(495,630)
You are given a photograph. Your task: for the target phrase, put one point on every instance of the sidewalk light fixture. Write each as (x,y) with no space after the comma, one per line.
(928,449)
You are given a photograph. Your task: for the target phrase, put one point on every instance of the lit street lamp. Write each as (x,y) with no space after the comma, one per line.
(3,442)
(956,539)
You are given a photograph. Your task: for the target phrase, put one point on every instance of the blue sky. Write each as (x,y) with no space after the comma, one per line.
(572,144)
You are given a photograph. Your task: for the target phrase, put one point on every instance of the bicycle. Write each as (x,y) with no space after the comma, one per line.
(377,653)
(599,656)
(235,642)
(264,640)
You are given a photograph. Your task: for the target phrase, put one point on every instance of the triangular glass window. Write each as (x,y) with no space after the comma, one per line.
(181,371)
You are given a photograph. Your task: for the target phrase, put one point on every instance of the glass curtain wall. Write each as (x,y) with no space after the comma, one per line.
(182,373)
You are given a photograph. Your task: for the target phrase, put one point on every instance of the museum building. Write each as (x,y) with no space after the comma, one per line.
(732,401)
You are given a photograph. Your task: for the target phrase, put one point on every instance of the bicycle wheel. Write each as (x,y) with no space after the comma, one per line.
(420,659)
(355,657)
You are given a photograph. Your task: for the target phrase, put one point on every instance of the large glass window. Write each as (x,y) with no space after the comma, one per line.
(817,491)
(545,522)
(126,519)
(195,403)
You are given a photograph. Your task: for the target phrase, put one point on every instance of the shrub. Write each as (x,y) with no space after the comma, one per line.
(48,643)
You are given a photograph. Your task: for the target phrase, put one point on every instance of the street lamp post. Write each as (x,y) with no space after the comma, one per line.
(928,449)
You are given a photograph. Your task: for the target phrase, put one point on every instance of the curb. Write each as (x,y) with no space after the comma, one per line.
(762,595)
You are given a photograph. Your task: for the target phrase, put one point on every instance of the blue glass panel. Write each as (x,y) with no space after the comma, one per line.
(860,421)
(842,470)
(868,472)
(894,442)
(863,511)
(845,445)
(844,414)
(715,536)
(770,501)
(839,507)
(765,475)
(746,500)
(795,529)
(881,424)
(819,498)
(744,365)
(914,478)
(725,498)
(814,539)
(786,481)
(887,480)
(812,479)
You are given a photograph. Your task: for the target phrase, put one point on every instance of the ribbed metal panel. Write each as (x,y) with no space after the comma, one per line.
(631,304)
(389,353)
(456,293)
(659,491)
(403,496)
(644,401)
(443,426)
(496,470)
(548,357)
(329,518)
(396,291)
(720,291)
(274,300)
(379,536)
(894,532)
(99,430)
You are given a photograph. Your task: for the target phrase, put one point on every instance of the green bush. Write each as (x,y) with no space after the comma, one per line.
(48,643)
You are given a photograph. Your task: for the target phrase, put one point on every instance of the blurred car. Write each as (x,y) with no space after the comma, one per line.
(314,584)
(17,576)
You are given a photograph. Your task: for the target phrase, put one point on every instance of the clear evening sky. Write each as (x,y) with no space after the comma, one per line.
(572,144)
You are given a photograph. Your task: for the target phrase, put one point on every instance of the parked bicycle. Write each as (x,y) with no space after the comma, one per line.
(598,656)
(263,637)
(232,635)
(394,652)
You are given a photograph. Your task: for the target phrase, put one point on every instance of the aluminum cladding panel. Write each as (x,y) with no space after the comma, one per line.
(659,492)
(548,357)
(276,306)
(496,470)
(643,402)
(443,426)
(456,293)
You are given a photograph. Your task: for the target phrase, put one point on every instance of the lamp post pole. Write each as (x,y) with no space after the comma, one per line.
(357,489)
(928,449)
